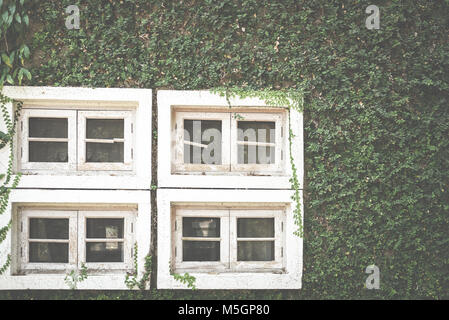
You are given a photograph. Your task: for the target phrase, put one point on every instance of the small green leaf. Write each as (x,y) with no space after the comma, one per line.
(9,79)
(18,19)
(27,73)
(6,60)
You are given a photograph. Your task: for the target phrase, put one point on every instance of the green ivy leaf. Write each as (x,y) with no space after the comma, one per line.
(6,60)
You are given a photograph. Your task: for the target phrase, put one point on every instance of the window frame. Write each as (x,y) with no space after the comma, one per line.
(25,164)
(230,165)
(266,169)
(228,242)
(25,215)
(77,239)
(223,264)
(83,116)
(178,165)
(128,239)
(279,239)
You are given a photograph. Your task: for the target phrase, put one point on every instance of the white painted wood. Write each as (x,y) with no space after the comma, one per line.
(128,140)
(285,273)
(23,132)
(170,101)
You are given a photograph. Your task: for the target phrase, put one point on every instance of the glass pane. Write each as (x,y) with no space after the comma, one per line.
(48,127)
(104,128)
(201,251)
(207,133)
(104,228)
(104,152)
(104,252)
(49,252)
(255,227)
(48,151)
(255,251)
(201,227)
(43,228)
(256,131)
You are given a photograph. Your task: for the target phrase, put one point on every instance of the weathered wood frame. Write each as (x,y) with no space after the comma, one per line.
(280,143)
(128,140)
(24,138)
(32,267)
(178,165)
(128,239)
(228,238)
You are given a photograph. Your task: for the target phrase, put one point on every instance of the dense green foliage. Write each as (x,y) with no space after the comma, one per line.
(376,116)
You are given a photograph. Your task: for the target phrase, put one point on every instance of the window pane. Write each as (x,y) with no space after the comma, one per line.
(104,128)
(256,131)
(207,133)
(49,252)
(201,251)
(255,227)
(104,152)
(48,151)
(201,227)
(104,228)
(104,252)
(43,228)
(48,127)
(255,251)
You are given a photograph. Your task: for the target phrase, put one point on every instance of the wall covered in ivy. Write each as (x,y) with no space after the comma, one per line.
(376,116)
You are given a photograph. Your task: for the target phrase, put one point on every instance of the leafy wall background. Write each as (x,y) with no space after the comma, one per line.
(375,105)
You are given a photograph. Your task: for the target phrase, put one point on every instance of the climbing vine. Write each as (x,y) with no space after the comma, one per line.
(14,22)
(131,280)
(6,138)
(292,99)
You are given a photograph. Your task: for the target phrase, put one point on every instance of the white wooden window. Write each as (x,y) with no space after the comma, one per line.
(106,239)
(56,240)
(105,140)
(225,141)
(194,141)
(257,141)
(48,139)
(228,240)
(71,140)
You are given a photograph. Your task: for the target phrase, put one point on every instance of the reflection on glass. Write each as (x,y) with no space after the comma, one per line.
(104,252)
(201,251)
(201,227)
(101,228)
(255,227)
(48,127)
(202,141)
(45,228)
(104,152)
(255,251)
(104,128)
(256,142)
(48,252)
(107,150)
(41,151)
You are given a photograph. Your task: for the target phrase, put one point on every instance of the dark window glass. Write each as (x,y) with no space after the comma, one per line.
(49,252)
(104,228)
(201,227)
(48,127)
(104,152)
(104,252)
(255,227)
(256,131)
(205,132)
(255,251)
(40,151)
(201,251)
(44,228)
(104,128)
